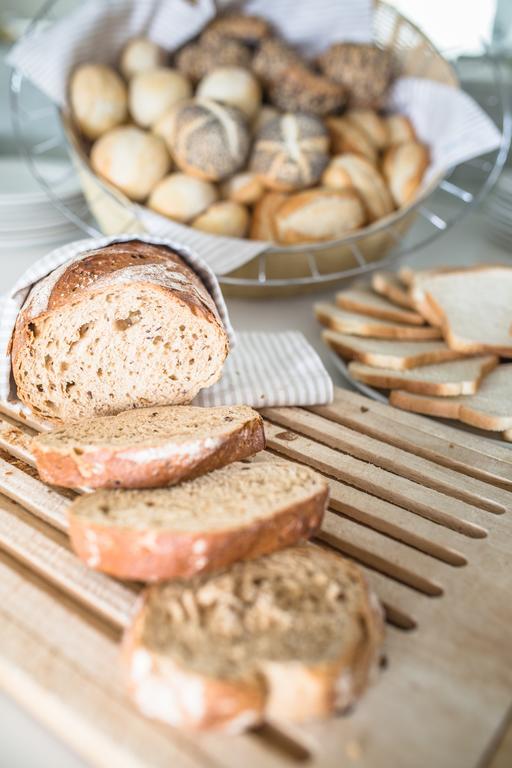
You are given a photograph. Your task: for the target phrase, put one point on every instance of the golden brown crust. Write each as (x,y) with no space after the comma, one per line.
(353,219)
(263,218)
(110,467)
(149,555)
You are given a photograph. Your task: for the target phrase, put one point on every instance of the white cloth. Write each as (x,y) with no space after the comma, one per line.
(262,369)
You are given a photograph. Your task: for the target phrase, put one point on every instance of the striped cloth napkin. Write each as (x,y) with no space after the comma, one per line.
(262,369)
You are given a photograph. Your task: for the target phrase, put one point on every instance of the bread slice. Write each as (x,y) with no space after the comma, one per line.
(292,636)
(367,302)
(507,435)
(388,284)
(474,308)
(147,447)
(490,408)
(383,353)
(241,511)
(458,377)
(364,325)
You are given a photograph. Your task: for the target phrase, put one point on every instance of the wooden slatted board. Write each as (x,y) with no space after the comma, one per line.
(425,509)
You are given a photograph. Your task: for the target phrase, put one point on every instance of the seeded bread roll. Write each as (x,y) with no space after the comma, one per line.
(225,218)
(99,100)
(250,30)
(354,171)
(147,447)
(272,58)
(404,166)
(129,325)
(234,86)
(139,55)
(154,92)
(195,60)
(131,159)
(263,226)
(290,152)
(245,188)
(365,70)
(295,635)
(372,124)
(182,197)
(208,140)
(241,511)
(264,116)
(318,215)
(297,89)
(345,136)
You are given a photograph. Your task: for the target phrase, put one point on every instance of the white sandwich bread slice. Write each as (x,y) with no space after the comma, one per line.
(458,377)
(365,325)
(367,302)
(147,447)
(395,354)
(241,511)
(490,408)
(387,284)
(294,636)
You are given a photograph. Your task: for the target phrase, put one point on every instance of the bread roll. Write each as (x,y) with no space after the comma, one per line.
(182,197)
(264,116)
(290,152)
(318,215)
(272,58)
(131,159)
(372,124)
(234,86)
(263,218)
(400,129)
(364,69)
(139,55)
(354,171)
(245,188)
(195,60)
(225,218)
(404,166)
(247,29)
(208,140)
(98,98)
(298,89)
(347,137)
(154,92)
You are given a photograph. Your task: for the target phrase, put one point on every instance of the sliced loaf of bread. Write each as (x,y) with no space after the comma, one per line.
(291,636)
(363,325)
(147,447)
(241,511)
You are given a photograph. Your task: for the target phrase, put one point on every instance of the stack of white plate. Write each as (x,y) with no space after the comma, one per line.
(28,217)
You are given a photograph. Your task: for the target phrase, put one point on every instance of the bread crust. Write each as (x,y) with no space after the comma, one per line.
(282,691)
(111,467)
(146,555)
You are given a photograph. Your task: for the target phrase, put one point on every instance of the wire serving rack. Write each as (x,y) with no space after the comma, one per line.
(460,191)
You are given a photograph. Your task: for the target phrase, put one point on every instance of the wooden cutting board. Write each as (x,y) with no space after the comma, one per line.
(424,508)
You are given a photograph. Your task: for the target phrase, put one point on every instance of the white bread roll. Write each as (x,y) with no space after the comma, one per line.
(318,215)
(234,86)
(182,197)
(345,136)
(351,170)
(154,92)
(98,98)
(225,218)
(400,129)
(131,159)
(245,188)
(139,55)
(404,166)
(371,123)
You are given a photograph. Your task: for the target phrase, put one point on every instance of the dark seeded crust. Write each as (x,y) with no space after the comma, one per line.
(292,691)
(112,470)
(149,555)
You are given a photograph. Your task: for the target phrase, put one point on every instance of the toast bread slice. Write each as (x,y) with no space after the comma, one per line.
(367,302)
(387,284)
(364,325)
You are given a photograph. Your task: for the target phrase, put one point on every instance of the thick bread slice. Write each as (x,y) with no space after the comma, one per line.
(388,285)
(474,307)
(241,511)
(147,447)
(129,325)
(366,302)
(295,635)
(458,377)
(490,408)
(364,325)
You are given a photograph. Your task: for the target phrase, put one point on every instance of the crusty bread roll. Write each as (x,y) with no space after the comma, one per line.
(182,197)
(346,136)
(351,170)
(207,139)
(318,215)
(139,55)
(126,326)
(98,98)
(298,89)
(399,129)
(272,58)
(154,92)
(248,29)
(290,152)
(224,218)
(245,188)
(364,69)
(131,159)
(404,166)
(234,86)
(263,217)
(195,60)
(372,124)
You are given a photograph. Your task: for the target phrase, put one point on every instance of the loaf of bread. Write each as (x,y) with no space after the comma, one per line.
(295,635)
(138,55)
(147,447)
(244,510)
(128,325)
(99,100)
(234,86)
(318,215)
